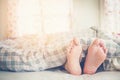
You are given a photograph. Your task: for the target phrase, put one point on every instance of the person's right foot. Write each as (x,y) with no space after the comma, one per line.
(95,57)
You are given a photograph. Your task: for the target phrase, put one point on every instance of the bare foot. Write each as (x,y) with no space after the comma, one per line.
(95,57)
(74,52)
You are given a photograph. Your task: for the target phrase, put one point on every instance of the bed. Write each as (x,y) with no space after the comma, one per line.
(20,59)
(57,75)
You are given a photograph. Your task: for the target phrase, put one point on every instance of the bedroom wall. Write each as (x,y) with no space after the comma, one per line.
(86,14)
(3,18)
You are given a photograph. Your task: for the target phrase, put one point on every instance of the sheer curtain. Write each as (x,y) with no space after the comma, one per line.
(111,22)
(11,15)
(38,17)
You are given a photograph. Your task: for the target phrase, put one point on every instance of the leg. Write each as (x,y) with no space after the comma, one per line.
(95,57)
(74,52)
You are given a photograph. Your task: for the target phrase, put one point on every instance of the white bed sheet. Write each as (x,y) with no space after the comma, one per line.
(57,75)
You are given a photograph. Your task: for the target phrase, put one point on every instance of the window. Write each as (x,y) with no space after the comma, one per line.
(39,16)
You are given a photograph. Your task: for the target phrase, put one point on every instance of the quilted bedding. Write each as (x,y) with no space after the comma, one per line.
(31,54)
(21,54)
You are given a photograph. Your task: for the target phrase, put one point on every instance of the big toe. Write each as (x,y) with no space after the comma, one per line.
(76,41)
(96,42)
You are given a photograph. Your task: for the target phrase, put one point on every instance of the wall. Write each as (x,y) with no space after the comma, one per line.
(3,18)
(86,14)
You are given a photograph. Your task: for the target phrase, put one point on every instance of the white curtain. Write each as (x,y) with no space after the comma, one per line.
(111,20)
(38,16)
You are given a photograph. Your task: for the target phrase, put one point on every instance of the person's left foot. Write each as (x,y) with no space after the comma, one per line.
(74,52)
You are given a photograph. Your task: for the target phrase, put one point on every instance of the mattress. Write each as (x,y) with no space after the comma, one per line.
(57,75)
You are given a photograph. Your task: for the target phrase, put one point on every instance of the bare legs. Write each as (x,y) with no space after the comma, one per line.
(95,57)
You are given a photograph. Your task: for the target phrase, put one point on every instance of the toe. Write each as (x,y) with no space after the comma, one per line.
(76,41)
(106,50)
(102,45)
(102,53)
(96,42)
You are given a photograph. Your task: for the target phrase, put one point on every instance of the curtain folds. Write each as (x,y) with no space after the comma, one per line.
(112,16)
(38,17)
(11,17)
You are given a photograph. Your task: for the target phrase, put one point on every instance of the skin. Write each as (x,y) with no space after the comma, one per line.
(95,57)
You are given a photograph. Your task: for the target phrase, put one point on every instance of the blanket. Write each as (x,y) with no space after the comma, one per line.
(29,54)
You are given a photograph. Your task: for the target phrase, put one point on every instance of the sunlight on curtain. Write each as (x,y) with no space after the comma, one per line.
(56,15)
(24,17)
(38,16)
(29,17)
(112,15)
(11,14)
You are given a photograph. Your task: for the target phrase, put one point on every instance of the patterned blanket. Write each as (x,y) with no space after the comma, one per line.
(31,54)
